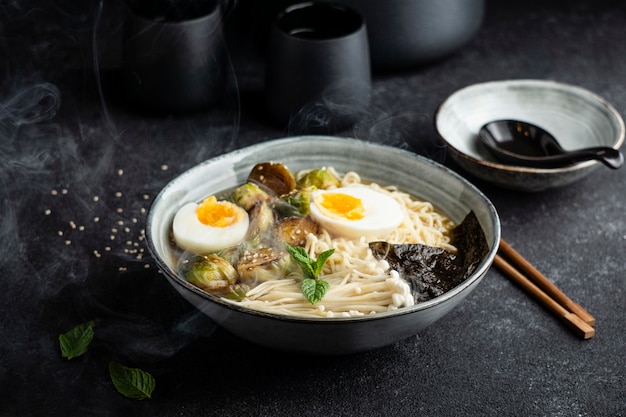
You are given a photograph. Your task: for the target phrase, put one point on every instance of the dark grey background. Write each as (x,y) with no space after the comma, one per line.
(499,353)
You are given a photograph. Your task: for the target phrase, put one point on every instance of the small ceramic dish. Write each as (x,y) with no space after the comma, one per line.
(577,117)
(418,176)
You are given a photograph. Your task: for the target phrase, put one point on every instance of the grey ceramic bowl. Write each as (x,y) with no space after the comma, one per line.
(577,117)
(419,176)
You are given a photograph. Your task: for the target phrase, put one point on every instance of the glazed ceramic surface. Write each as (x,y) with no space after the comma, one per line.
(418,176)
(577,117)
(318,68)
(174,66)
(409,33)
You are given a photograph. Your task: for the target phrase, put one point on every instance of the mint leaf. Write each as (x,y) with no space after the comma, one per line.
(75,342)
(321,260)
(314,289)
(132,383)
(300,255)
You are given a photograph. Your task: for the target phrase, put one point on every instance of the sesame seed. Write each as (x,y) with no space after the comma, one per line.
(146,197)
(119,210)
(118,194)
(120,172)
(81,228)
(96,219)
(114,230)
(96,198)
(60,233)
(64,191)
(72,224)
(164,167)
(54,192)
(68,242)
(47,212)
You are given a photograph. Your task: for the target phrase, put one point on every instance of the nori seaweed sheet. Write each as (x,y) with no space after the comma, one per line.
(431,271)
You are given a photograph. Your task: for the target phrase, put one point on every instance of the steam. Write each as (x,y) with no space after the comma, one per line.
(20,170)
(374,119)
(74,197)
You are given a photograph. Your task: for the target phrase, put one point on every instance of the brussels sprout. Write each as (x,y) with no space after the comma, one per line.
(230,255)
(262,265)
(248,195)
(236,292)
(294,230)
(300,199)
(261,221)
(283,208)
(210,272)
(274,176)
(319,178)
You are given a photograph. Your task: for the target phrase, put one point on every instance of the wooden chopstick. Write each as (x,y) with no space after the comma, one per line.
(572,319)
(544,283)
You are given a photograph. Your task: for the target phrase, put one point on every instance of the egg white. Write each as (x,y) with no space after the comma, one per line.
(192,235)
(382,214)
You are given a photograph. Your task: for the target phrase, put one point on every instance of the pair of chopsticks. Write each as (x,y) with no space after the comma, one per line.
(534,282)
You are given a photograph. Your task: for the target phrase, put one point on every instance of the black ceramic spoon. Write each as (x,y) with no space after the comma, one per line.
(522,143)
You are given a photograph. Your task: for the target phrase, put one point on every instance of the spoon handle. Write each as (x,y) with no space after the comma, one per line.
(610,157)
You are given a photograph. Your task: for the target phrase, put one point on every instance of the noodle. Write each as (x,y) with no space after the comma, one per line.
(359,283)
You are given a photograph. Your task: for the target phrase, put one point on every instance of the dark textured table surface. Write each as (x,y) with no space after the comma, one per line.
(75,185)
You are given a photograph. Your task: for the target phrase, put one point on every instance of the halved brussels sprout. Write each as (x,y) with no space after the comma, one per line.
(274,176)
(210,272)
(248,195)
(294,230)
(318,178)
(300,199)
(235,292)
(262,265)
(261,220)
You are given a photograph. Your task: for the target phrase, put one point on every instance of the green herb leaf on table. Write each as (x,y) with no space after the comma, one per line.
(132,383)
(313,288)
(75,342)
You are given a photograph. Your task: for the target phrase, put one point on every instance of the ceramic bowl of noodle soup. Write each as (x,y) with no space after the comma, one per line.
(368,304)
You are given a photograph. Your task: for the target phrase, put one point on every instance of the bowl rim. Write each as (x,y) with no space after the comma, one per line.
(174,278)
(547,84)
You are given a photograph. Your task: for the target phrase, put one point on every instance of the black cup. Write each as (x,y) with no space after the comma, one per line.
(174,62)
(409,33)
(318,76)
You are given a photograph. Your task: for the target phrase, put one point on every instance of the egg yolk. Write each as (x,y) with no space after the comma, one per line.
(218,213)
(341,205)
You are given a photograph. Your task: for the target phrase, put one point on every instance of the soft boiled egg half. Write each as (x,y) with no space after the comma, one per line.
(354,212)
(210,226)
